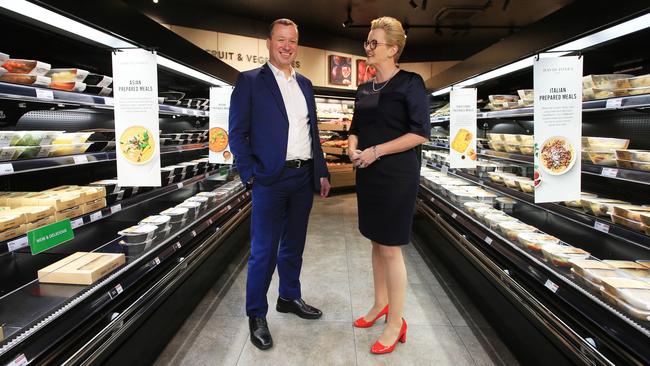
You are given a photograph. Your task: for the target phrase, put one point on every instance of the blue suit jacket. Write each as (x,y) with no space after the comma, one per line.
(259,127)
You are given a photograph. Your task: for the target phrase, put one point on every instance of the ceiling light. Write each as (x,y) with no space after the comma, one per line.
(413,4)
(619,30)
(155,1)
(68,25)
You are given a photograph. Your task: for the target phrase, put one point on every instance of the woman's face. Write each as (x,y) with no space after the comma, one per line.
(382,52)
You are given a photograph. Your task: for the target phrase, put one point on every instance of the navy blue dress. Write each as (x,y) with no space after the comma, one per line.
(387,189)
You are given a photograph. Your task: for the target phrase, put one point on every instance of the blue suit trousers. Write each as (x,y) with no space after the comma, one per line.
(278,233)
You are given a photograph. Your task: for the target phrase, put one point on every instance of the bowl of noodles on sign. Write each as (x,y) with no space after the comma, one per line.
(218,139)
(137,145)
(557,156)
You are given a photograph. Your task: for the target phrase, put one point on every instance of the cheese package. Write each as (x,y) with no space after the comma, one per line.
(81,268)
(462,140)
(33,213)
(60,201)
(69,213)
(9,220)
(87,194)
(94,205)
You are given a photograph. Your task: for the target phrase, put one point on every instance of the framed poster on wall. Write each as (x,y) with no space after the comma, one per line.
(340,70)
(365,72)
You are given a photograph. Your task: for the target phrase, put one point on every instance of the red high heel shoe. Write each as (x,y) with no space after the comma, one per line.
(379,348)
(362,323)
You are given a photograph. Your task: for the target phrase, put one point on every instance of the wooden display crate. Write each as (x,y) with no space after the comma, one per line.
(340,179)
(340,168)
(335,150)
(329,126)
(81,268)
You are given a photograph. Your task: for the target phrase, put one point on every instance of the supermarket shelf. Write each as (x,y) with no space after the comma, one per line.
(25,93)
(595,223)
(633,101)
(327,126)
(29,165)
(335,150)
(552,282)
(21,241)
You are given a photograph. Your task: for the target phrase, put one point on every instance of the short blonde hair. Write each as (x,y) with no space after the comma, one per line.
(395,35)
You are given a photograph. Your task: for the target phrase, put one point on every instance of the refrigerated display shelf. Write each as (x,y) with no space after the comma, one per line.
(26,93)
(579,217)
(100,294)
(21,242)
(335,150)
(29,165)
(556,282)
(629,102)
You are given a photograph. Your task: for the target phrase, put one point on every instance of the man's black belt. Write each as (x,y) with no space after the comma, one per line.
(297,163)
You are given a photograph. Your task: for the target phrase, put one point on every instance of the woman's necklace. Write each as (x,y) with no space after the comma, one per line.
(385,83)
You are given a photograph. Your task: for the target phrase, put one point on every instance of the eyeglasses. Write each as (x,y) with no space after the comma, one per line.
(372,44)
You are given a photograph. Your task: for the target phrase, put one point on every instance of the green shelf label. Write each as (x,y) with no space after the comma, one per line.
(49,236)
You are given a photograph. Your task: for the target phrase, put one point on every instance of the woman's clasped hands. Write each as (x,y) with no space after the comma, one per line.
(363,159)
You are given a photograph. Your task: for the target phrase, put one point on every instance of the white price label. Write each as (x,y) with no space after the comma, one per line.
(115,291)
(156,261)
(95,216)
(551,286)
(17,243)
(77,222)
(481,183)
(488,240)
(601,226)
(109,101)
(80,159)
(609,172)
(433,199)
(193,233)
(44,94)
(116,208)
(614,103)
(6,169)
(453,215)
(179,185)
(184,111)
(210,222)
(19,361)
(445,169)
(177,245)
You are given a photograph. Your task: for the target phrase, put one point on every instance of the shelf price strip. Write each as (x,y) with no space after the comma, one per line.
(551,286)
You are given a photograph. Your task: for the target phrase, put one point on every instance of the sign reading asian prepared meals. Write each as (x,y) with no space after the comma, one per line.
(558,128)
(462,128)
(135,93)
(218,135)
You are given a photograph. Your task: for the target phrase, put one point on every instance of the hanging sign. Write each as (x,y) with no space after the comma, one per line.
(135,95)
(462,128)
(558,128)
(218,135)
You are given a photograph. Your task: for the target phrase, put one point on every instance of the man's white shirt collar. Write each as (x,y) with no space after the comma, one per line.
(279,73)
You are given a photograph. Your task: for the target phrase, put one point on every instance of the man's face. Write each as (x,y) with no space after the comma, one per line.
(283,45)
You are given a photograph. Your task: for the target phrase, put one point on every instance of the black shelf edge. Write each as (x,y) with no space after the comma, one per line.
(27,93)
(595,223)
(29,165)
(21,242)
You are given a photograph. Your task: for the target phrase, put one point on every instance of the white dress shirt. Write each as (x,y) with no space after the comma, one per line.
(299,139)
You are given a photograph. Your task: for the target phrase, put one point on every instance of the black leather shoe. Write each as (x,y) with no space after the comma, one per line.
(260,334)
(299,308)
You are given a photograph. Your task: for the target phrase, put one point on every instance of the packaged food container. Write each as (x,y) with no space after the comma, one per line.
(481,213)
(162,221)
(639,165)
(176,214)
(110,185)
(3,57)
(630,268)
(606,81)
(501,98)
(506,204)
(69,138)
(511,229)
(202,200)
(498,177)
(495,137)
(630,310)
(9,153)
(634,155)
(133,249)
(527,149)
(61,150)
(98,90)
(634,292)
(634,225)
(471,206)
(603,157)
(485,197)
(68,86)
(139,233)
(9,138)
(526,94)
(36,138)
(67,75)
(560,255)
(497,146)
(28,152)
(642,81)
(631,212)
(536,241)
(193,208)
(32,67)
(600,206)
(98,80)
(25,79)
(493,220)
(578,203)
(510,138)
(177,169)
(212,196)
(9,219)
(604,143)
(592,270)
(512,148)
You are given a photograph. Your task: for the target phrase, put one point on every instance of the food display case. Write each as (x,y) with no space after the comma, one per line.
(334,120)
(131,254)
(574,271)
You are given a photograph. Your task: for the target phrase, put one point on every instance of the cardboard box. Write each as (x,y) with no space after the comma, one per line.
(331,126)
(11,233)
(340,168)
(7,197)
(69,213)
(87,193)
(9,220)
(335,150)
(343,179)
(33,213)
(94,206)
(60,201)
(81,268)
(40,223)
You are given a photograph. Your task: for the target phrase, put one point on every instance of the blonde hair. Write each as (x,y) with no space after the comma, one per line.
(395,35)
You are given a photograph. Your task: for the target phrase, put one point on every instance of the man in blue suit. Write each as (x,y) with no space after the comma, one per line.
(274,137)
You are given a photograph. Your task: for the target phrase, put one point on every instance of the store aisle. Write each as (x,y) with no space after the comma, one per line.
(444,327)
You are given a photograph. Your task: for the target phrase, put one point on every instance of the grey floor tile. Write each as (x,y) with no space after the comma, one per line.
(484,347)
(425,345)
(304,342)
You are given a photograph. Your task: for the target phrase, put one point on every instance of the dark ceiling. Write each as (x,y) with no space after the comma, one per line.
(320,21)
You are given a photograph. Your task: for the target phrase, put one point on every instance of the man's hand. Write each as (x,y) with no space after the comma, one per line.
(324,187)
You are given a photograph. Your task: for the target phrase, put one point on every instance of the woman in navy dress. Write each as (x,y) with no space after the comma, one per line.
(391,120)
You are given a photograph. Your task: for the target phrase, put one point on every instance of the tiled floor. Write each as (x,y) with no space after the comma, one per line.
(444,327)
